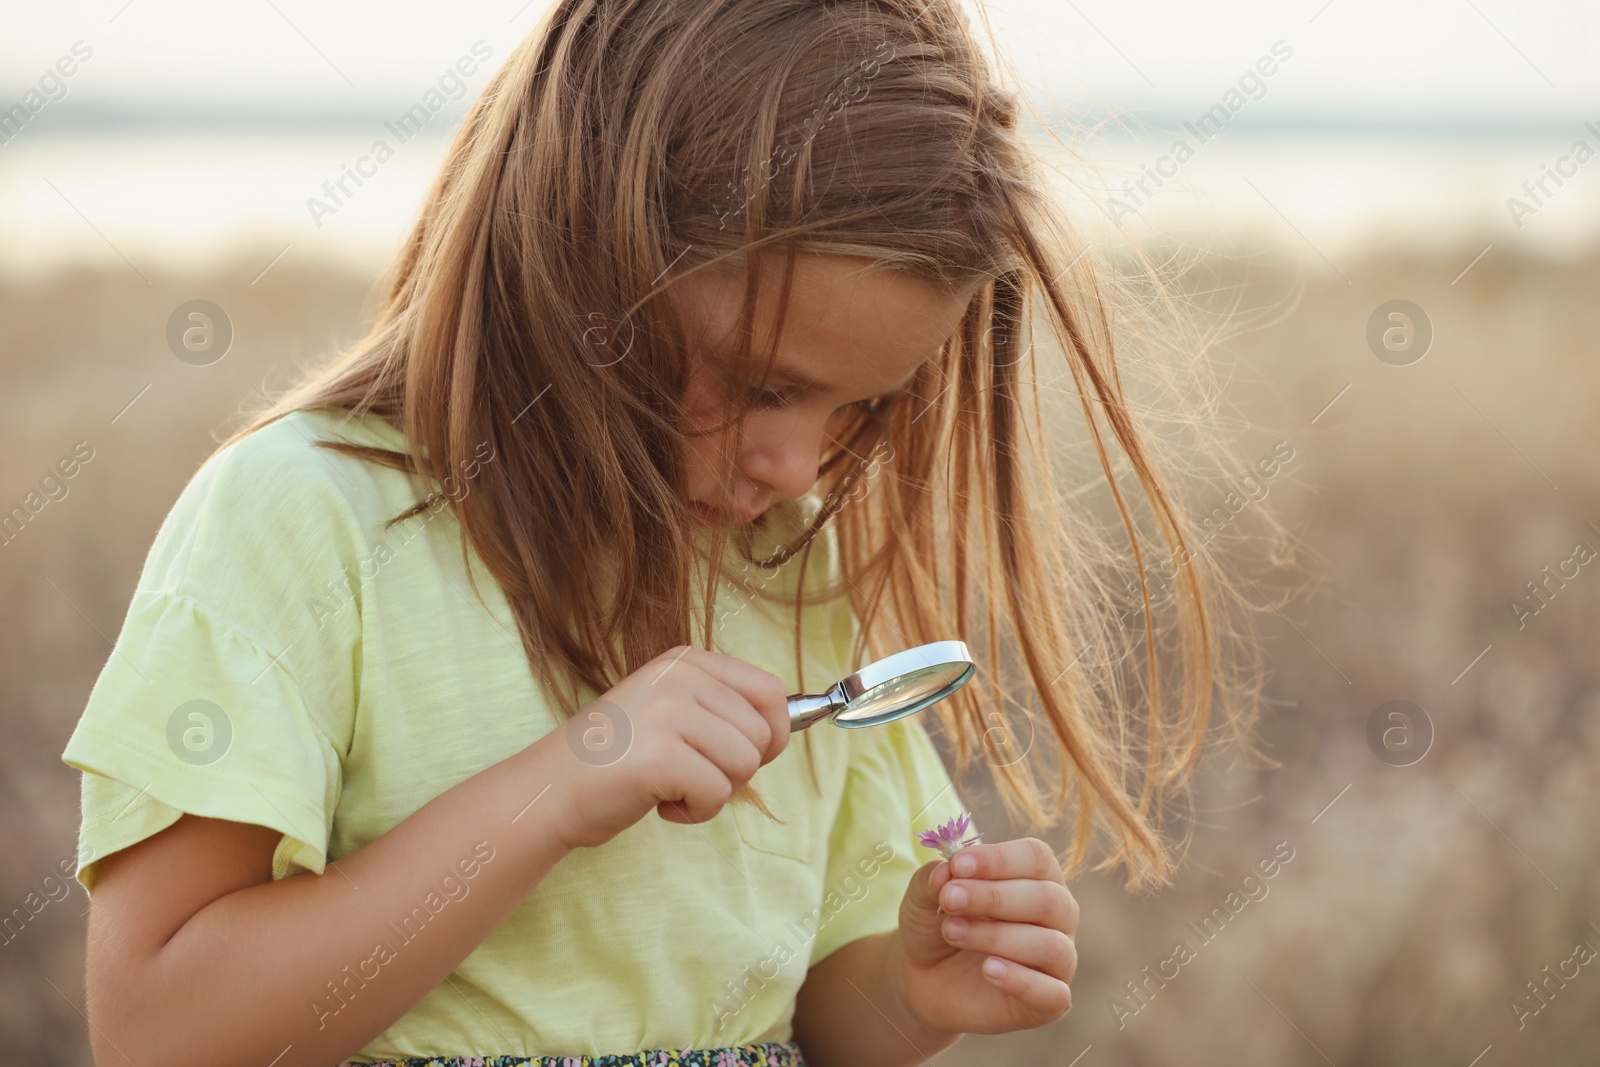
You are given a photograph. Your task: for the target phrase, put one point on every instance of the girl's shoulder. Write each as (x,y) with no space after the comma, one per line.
(268,523)
(285,455)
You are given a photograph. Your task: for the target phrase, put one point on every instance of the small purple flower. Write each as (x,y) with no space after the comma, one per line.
(947,838)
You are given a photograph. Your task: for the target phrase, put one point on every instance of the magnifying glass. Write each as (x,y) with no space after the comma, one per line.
(889,689)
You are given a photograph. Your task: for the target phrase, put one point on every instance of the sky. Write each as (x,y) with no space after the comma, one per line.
(1458,62)
(188,126)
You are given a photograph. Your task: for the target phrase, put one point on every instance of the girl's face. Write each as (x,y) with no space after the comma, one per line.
(848,338)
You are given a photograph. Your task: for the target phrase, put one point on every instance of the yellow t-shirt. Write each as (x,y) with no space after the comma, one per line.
(287,662)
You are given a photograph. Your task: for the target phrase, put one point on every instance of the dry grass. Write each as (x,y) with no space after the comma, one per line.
(1414,908)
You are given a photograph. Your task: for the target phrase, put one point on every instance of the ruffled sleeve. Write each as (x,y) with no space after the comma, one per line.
(231,689)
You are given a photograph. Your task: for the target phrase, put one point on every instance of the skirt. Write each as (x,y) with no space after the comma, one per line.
(763,1054)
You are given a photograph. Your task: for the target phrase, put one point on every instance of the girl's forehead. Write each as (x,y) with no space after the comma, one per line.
(846,328)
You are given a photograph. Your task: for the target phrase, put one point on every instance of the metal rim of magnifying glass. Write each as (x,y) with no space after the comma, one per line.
(807,710)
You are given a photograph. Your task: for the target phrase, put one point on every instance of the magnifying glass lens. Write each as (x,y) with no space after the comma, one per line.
(907,692)
(888,689)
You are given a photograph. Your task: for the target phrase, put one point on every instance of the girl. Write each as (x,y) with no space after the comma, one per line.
(433,732)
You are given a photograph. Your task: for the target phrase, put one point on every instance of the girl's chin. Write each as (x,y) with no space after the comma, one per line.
(705,516)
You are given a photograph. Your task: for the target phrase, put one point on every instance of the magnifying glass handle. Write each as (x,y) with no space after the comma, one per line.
(805,710)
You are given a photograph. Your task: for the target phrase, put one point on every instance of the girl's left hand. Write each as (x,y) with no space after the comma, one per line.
(1005,901)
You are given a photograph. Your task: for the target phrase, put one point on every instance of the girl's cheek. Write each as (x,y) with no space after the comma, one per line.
(709,463)
(702,459)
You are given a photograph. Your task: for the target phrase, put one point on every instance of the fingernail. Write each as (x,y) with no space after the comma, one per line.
(956,929)
(994,968)
(955,897)
(965,866)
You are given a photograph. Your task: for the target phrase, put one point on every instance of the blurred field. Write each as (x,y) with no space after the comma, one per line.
(1414,908)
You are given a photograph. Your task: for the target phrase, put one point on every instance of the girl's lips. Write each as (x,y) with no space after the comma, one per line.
(706,515)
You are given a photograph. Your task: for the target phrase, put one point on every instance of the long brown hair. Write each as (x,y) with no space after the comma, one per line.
(625,145)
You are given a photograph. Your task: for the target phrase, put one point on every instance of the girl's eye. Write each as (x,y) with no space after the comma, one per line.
(766,398)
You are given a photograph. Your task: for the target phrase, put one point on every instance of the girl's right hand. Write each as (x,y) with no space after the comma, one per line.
(681,735)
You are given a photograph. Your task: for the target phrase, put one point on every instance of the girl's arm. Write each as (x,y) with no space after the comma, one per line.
(849,1012)
(196,956)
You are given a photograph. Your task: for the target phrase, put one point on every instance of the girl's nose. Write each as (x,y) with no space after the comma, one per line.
(787,464)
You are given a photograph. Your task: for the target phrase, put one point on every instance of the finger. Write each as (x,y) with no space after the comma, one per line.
(1014,900)
(683,675)
(1025,857)
(1040,947)
(919,915)
(1047,996)
(728,703)
(729,748)
(922,894)
(763,690)
(696,790)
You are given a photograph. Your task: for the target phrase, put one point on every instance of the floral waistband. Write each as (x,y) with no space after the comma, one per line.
(763,1054)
